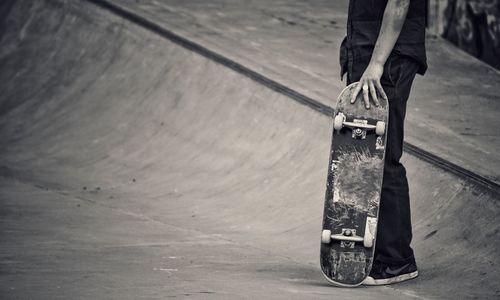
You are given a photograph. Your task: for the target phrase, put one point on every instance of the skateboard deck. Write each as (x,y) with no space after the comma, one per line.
(353,188)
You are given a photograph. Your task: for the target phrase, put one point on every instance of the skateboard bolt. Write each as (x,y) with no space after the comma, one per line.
(348,232)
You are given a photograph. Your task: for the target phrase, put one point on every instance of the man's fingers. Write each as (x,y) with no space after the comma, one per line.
(366,98)
(381,90)
(373,93)
(355,93)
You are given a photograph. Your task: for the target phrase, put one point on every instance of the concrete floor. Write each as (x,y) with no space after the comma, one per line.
(133,168)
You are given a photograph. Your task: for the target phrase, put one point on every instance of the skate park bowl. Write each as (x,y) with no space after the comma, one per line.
(134,166)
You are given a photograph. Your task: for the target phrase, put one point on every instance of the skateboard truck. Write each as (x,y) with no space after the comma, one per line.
(359,127)
(348,236)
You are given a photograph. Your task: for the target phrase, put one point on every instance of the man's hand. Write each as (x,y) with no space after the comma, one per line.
(370,84)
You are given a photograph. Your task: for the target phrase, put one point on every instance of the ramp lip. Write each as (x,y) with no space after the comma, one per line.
(316,105)
(451,167)
(214,56)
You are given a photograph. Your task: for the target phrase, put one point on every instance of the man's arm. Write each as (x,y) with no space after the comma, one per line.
(392,23)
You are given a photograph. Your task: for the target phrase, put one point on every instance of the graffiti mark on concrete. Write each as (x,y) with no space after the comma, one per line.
(473,25)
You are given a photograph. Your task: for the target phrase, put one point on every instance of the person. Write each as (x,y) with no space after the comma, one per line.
(384,50)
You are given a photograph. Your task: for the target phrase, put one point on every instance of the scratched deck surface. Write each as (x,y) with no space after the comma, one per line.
(353,191)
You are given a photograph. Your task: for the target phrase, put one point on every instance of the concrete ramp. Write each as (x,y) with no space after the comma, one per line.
(135,168)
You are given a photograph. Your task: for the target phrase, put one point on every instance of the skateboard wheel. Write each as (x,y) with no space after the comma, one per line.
(370,229)
(368,240)
(338,121)
(326,236)
(380,128)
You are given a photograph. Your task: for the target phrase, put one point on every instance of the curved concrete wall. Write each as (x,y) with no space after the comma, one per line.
(96,109)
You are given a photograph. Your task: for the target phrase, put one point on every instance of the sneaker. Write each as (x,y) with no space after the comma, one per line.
(382,274)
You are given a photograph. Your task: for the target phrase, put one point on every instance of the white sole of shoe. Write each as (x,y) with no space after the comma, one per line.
(370,281)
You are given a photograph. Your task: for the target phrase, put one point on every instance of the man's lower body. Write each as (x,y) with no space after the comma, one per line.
(394,260)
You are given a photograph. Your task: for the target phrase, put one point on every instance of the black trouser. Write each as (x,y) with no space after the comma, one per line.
(394,224)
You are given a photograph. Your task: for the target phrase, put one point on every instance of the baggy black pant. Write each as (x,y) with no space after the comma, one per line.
(394,231)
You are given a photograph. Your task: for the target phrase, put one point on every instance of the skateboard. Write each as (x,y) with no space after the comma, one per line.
(353,188)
